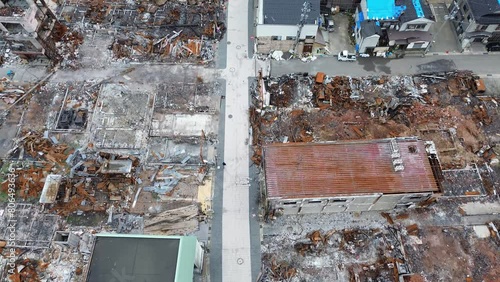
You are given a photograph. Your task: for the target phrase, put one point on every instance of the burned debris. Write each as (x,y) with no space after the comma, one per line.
(365,247)
(446,108)
(98,156)
(164,31)
(317,229)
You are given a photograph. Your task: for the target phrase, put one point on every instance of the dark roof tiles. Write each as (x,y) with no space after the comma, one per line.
(287,12)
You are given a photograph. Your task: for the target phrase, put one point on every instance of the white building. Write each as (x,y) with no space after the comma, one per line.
(477,23)
(279,22)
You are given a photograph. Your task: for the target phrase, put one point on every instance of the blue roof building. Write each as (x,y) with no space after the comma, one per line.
(383,10)
(385,25)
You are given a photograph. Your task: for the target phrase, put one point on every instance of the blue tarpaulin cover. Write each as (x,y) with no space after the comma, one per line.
(383,9)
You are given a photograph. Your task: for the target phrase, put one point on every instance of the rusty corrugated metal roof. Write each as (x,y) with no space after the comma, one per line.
(301,170)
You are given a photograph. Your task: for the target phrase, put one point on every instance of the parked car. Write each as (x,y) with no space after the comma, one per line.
(493,46)
(345,56)
(327,23)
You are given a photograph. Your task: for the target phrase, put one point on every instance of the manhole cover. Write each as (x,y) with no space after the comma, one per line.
(239,261)
(229,43)
(230,116)
(232,69)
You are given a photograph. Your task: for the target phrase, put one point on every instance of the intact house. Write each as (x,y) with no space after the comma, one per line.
(27,26)
(477,23)
(279,22)
(399,27)
(353,176)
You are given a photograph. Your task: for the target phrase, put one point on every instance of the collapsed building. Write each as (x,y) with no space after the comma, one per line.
(101,157)
(342,159)
(29,28)
(351,176)
(68,31)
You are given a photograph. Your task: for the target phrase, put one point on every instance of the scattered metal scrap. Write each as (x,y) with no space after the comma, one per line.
(162,31)
(277,270)
(303,108)
(176,221)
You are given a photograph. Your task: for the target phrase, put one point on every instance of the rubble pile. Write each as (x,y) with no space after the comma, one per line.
(446,108)
(160,31)
(27,270)
(317,242)
(275,270)
(93,181)
(347,255)
(10,92)
(29,181)
(391,246)
(476,257)
(42,148)
(182,220)
(67,47)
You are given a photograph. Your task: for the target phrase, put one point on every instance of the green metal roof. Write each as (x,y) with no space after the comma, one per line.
(149,258)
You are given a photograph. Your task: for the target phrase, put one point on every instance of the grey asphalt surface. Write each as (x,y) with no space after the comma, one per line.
(254,208)
(480,64)
(443,34)
(216,227)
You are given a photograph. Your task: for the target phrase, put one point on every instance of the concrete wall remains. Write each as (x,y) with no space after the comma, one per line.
(349,203)
(368,42)
(421,21)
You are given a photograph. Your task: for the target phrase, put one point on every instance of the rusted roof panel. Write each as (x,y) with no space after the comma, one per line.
(301,170)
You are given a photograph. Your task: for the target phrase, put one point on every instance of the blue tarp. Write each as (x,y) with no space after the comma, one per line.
(361,18)
(383,9)
(418,8)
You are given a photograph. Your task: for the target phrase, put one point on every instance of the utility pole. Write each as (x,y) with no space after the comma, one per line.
(450,16)
(306,8)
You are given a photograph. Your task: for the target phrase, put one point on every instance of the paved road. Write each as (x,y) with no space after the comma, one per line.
(236,241)
(480,64)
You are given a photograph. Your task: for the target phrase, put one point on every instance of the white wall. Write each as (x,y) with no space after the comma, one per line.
(286,30)
(368,42)
(472,26)
(260,13)
(492,27)
(363,8)
(428,24)
(198,256)
(425,44)
(358,203)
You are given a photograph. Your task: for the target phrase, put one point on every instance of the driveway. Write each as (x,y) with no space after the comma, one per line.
(340,38)
(443,35)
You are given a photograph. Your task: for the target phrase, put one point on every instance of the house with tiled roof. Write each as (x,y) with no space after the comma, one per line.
(287,24)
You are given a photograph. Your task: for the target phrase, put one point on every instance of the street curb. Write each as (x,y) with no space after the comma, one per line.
(462,54)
